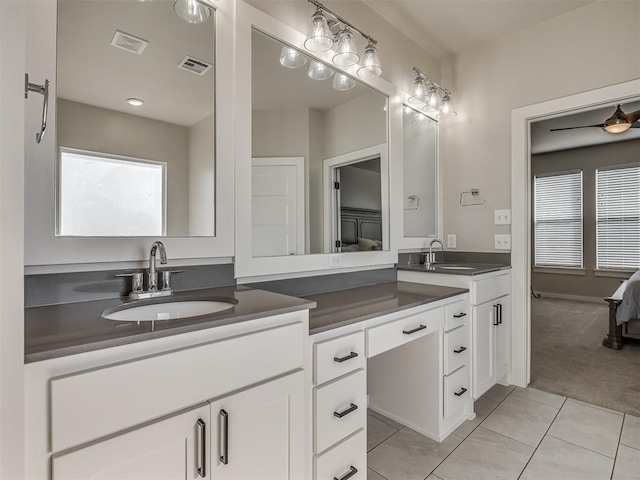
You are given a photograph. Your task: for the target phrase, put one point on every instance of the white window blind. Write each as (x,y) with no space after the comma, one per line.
(618,218)
(558,220)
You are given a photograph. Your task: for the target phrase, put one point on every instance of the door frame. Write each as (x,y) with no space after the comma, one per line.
(298,162)
(521,119)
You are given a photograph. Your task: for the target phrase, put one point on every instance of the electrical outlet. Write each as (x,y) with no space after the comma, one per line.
(502,242)
(335,260)
(502,217)
(451,240)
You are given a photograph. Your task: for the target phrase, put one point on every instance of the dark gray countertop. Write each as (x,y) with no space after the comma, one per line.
(344,307)
(60,330)
(476,268)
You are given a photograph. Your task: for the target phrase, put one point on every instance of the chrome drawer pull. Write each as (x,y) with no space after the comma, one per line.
(460,350)
(460,315)
(352,471)
(352,408)
(223,447)
(461,392)
(409,332)
(202,449)
(344,359)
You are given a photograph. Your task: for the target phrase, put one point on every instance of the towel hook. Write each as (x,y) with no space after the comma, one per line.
(43,90)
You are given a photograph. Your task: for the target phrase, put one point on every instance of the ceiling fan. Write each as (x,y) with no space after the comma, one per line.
(617,123)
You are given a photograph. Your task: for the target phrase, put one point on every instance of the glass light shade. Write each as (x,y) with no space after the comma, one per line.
(347,53)
(319,71)
(430,111)
(447,108)
(343,82)
(432,96)
(618,122)
(319,36)
(418,91)
(370,66)
(291,58)
(192,11)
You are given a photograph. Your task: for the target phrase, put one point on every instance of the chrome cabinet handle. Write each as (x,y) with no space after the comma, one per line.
(499,314)
(202,448)
(345,358)
(43,90)
(461,392)
(495,315)
(460,350)
(460,315)
(352,471)
(417,329)
(224,437)
(352,408)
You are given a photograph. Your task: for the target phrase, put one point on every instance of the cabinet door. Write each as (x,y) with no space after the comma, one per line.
(503,337)
(170,449)
(484,372)
(259,433)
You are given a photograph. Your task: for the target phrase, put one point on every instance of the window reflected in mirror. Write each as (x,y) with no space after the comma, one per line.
(319,148)
(420,166)
(135,88)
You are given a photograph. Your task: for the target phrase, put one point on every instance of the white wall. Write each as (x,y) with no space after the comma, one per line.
(12,139)
(201,182)
(563,56)
(360,188)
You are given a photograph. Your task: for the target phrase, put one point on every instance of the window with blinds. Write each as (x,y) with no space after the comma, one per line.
(558,220)
(618,218)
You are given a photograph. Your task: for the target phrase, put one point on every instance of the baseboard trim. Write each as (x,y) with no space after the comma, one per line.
(577,298)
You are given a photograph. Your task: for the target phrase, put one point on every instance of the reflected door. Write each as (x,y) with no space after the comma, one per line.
(277,211)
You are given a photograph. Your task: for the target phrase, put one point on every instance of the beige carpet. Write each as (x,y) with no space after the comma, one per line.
(567,356)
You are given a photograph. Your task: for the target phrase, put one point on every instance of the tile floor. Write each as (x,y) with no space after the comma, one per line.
(518,433)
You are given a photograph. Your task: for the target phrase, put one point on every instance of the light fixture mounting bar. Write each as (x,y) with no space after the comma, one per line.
(343,21)
(446,91)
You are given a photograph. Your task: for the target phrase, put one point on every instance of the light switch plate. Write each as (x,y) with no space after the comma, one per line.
(502,242)
(502,217)
(451,240)
(335,260)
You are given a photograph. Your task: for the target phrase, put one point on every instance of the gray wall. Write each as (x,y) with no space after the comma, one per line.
(588,160)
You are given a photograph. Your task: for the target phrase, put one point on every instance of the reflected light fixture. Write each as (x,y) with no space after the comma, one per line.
(292,58)
(136,102)
(192,11)
(427,92)
(618,122)
(343,82)
(321,37)
(319,71)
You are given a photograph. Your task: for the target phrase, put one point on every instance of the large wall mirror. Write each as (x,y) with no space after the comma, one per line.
(135,119)
(420,178)
(319,173)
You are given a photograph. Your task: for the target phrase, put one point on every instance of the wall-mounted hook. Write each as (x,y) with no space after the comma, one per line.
(43,90)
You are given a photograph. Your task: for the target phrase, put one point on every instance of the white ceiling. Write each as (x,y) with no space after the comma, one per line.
(93,72)
(447,27)
(544,141)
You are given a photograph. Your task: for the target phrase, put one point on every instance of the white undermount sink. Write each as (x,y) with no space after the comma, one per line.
(168,309)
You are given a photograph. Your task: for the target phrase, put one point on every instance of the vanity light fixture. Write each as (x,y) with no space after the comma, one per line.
(136,102)
(319,71)
(192,11)
(426,91)
(343,82)
(321,38)
(292,58)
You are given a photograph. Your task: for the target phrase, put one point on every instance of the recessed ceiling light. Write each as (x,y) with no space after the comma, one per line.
(136,102)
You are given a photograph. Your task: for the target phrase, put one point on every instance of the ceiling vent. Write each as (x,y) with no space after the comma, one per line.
(194,65)
(128,42)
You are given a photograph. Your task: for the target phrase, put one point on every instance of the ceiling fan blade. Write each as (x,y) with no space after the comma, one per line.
(635,125)
(633,117)
(600,125)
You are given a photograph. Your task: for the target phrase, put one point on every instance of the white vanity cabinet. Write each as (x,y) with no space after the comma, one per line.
(155,409)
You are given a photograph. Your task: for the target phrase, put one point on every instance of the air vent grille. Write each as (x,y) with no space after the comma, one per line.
(128,42)
(194,65)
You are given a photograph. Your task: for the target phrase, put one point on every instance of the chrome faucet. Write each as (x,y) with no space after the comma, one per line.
(152,284)
(430,258)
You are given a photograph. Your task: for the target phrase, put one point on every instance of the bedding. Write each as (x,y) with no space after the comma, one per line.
(629,307)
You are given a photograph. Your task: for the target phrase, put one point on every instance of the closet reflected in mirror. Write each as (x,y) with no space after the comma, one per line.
(319,148)
(135,119)
(420,166)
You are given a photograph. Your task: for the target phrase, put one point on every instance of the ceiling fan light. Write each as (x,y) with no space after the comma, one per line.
(371,63)
(617,127)
(347,53)
(192,11)
(292,58)
(618,122)
(319,36)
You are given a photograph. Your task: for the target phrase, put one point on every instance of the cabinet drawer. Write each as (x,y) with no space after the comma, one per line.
(340,409)
(490,288)
(457,314)
(343,459)
(338,356)
(456,349)
(398,332)
(94,403)
(456,392)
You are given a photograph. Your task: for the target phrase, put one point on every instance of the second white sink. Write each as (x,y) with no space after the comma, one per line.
(168,310)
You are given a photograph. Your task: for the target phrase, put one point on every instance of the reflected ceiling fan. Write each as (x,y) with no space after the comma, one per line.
(617,123)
